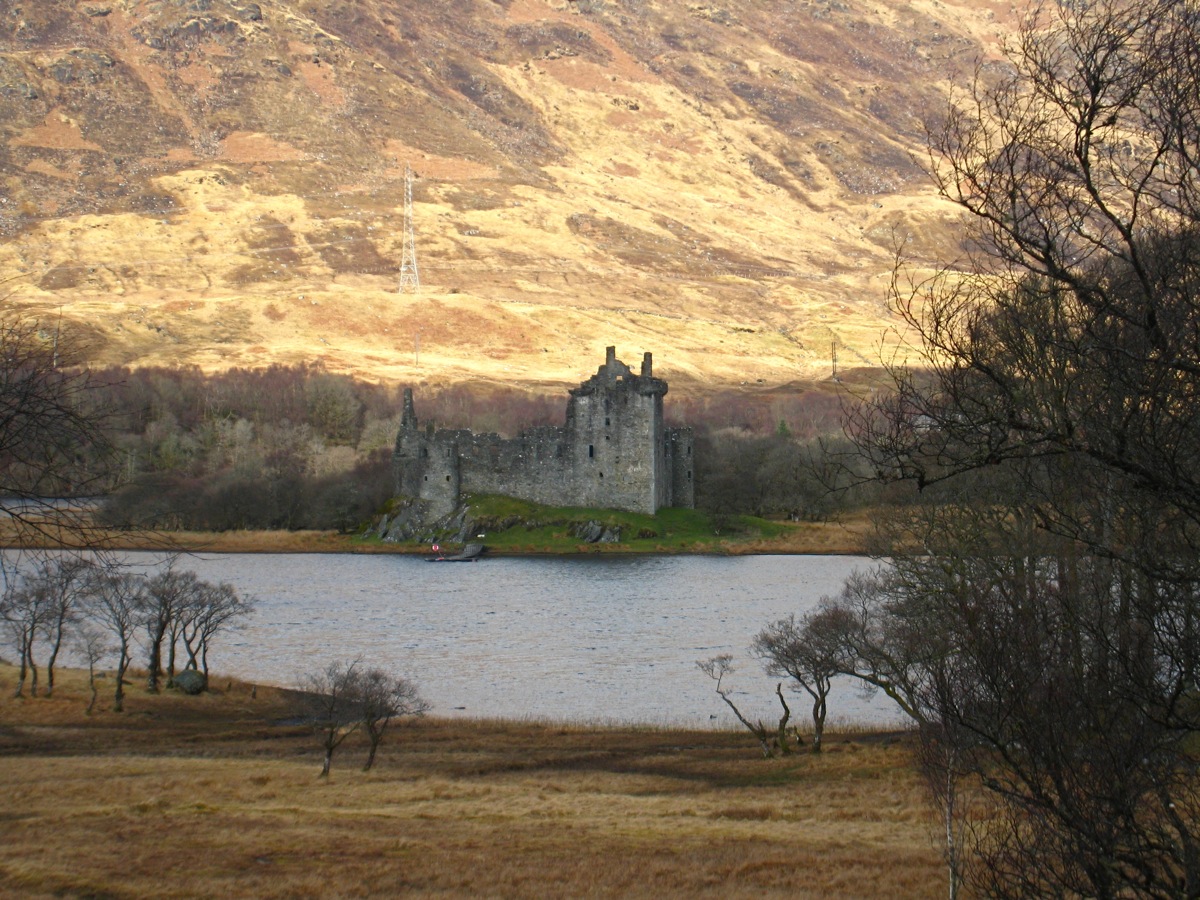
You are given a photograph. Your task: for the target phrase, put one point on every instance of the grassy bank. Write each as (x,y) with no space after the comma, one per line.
(219,795)
(514,526)
(528,529)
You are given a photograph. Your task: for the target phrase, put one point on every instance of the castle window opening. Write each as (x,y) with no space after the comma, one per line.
(591,451)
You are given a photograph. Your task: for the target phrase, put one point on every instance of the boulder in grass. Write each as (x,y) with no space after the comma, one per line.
(190,681)
(590,532)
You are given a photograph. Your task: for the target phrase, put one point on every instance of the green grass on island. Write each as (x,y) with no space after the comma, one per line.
(509,525)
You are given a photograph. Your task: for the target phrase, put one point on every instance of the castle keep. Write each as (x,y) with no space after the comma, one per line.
(613,452)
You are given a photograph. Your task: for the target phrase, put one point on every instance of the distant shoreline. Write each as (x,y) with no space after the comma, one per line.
(807,539)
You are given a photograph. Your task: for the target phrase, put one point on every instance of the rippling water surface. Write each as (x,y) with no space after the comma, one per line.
(589,638)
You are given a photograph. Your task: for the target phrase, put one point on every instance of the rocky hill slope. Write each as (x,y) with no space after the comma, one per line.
(221,182)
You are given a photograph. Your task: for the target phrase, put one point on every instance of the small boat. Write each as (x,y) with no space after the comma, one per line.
(469,553)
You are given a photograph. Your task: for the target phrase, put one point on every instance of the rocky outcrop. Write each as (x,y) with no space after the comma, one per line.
(593,532)
(410,521)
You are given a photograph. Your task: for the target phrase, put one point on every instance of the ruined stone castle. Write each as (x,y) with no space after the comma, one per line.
(613,452)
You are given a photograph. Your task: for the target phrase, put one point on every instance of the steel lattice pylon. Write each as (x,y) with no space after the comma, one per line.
(409,276)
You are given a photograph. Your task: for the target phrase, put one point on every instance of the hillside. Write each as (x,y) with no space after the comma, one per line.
(221,182)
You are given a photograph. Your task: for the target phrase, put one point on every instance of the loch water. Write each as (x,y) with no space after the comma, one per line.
(590,638)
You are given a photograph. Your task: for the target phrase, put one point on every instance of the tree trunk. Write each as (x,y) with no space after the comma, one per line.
(371,754)
(91,686)
(819,712)
(171,660)
(122,664)
(155,666)
(191,651)
(757,730)
(50,663)
(375,732)
(952,849)
(24,673)
(328,761)
(784,747)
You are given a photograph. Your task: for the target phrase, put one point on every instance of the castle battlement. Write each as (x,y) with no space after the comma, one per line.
(613,451)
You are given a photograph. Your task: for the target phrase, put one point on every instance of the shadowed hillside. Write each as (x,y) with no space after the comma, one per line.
(221,182)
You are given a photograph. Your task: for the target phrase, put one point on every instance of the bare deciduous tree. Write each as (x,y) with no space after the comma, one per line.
(25,611)
(1044,596)
(63,581)
(207,610)
(800,651)
(117,601)
(944,757)
(93,645)
(886,639)
(330,703)
(52,438)
(383,698)
(167,593)
(717,668)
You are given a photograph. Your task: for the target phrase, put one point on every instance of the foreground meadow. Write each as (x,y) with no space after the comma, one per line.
(218,795)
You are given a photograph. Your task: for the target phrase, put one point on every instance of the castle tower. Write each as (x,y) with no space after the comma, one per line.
(425,465)
(410,451)
(615,436)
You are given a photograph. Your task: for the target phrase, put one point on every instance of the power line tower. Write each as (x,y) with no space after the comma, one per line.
(409,276)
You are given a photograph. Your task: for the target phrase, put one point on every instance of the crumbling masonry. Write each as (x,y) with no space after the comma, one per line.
(613,452)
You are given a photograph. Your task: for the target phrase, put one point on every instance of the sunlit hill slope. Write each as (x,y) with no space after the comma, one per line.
(221,183)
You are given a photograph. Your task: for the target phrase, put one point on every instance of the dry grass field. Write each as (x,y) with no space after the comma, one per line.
(218,795)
